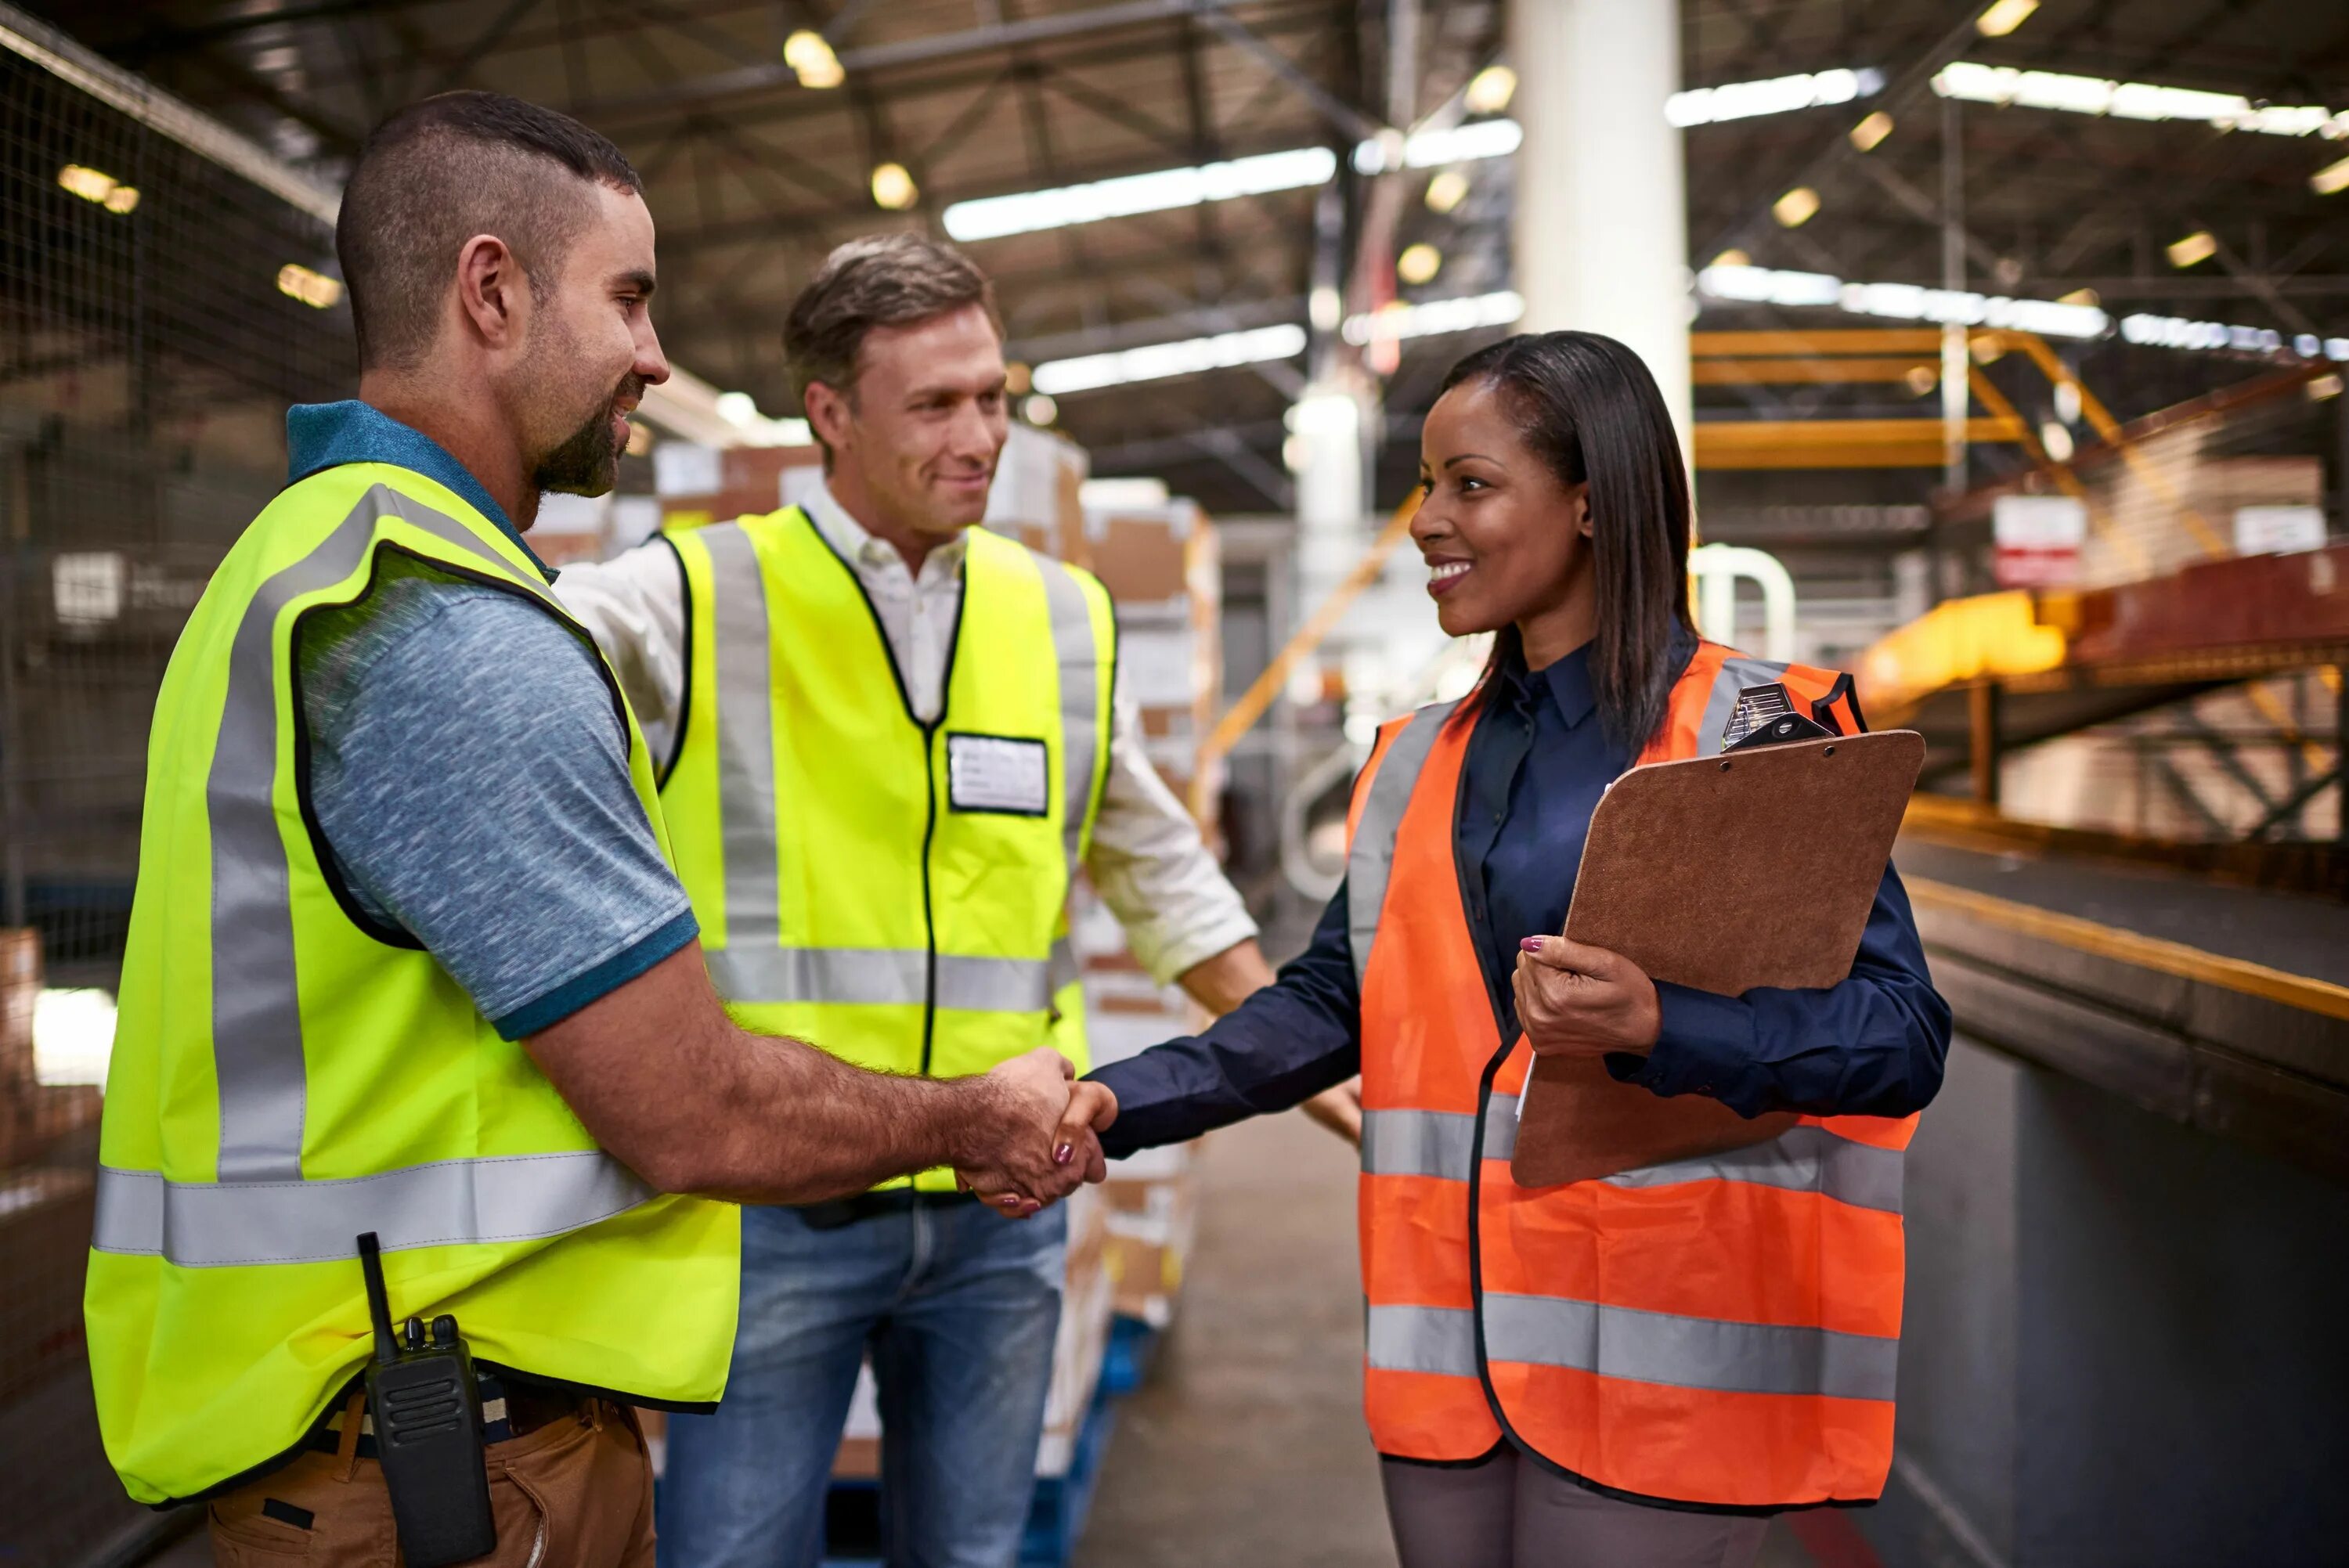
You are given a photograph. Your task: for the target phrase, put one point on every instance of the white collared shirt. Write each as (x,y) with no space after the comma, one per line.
(1148,861)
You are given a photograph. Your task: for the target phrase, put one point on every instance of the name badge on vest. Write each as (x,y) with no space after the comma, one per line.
(998,773)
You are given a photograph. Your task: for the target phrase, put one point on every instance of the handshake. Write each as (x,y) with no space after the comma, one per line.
(1039,1135)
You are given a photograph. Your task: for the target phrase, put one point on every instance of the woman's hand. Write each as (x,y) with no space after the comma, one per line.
(1580,1001)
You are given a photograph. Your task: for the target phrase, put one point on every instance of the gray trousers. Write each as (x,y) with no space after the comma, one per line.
(1510,1513)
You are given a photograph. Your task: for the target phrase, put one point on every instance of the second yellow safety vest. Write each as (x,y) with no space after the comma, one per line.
(892,891)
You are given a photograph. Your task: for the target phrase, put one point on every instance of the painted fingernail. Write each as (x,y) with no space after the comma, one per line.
(1529,943)
(1061,1155)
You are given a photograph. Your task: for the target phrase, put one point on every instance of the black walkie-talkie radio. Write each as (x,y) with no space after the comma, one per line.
(427,1431)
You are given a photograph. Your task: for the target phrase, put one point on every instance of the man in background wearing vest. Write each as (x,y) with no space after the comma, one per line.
(891,740)
(408,955)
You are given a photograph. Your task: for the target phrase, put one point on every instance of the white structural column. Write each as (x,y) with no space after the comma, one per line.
(1601,240)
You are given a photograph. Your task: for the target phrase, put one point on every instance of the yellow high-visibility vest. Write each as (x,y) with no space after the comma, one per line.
(892,891)
(282,1081)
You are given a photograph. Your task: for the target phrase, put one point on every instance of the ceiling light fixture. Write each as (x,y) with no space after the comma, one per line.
(2003,17)
(1795,207)
(1158,361)
(2331,180)
(2056,441)
(1899,301)
(1490,89)
(1446,190)
(1869,132)
(1778,95)
(1163,190)
(893,187)
(810,58)
(2087,297)
(1429,319)
(2006,84)
(2195,248)
(1041,409)
(1733,258)
(95,185)
(1419,264)
(315,290)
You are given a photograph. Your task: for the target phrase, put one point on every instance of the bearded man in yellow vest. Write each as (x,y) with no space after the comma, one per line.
(409,955)
(867,692)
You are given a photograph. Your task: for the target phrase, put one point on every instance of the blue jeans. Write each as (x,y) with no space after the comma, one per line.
(958,1306)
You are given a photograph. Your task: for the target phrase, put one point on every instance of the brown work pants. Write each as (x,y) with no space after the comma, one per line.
(577,1492)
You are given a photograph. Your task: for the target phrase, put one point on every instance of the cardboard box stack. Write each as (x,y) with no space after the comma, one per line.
(1161,567)
(699,485)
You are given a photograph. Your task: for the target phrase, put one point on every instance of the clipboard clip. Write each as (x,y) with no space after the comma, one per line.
(1766,715)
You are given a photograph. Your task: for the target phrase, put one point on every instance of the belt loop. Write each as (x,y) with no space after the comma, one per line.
(346,1452)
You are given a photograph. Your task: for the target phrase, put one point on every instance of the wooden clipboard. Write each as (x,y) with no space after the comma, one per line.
(1721,873)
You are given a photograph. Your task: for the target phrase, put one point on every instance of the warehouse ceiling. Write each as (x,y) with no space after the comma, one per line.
(753,173)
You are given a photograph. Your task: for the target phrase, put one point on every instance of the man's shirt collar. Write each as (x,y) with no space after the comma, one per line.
(858,544)
(321,436)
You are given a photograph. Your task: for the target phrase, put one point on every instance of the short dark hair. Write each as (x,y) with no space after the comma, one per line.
(881,279)
(440,171)
(1591,408)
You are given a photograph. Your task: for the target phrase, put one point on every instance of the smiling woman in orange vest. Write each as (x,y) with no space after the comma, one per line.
(1636,1370)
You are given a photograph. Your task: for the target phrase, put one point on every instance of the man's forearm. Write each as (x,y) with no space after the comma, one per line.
(1222,983)
(801,1126)
(665,1080)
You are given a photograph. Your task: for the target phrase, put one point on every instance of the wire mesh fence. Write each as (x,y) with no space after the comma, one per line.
(158,312)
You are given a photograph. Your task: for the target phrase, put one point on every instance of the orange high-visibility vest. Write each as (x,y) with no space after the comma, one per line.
(1719,1332)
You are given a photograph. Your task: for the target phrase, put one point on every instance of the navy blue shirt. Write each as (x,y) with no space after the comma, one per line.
(1538,762)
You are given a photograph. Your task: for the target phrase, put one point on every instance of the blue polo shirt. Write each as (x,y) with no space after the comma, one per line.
(1537,765)
(469,766)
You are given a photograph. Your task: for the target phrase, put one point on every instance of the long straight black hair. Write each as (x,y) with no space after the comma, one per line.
(1587,405)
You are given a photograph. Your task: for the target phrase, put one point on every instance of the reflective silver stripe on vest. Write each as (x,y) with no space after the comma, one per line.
(1423,1339)
(742,655)
(1080,661)
(216,1224)
(878,976)
(1737,672)
(1371,858)
(256,1011)
(1641,1346)
(1802,1159)
(1061,969)
(1689,1352)
(1417,1143)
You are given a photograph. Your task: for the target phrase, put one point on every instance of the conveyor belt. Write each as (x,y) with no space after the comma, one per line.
(2220,1008)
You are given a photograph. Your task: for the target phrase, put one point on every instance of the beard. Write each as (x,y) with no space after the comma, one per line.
(588,462)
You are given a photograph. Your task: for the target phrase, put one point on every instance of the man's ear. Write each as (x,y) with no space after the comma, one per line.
(493,292)
(828,413)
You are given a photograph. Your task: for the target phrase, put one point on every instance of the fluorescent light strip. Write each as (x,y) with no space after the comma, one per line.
(1900,301)
(2134,100)
(1465,314)
(1169,189)
(2176,332)
(1157,361)
(1164,191)
(1779,95)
